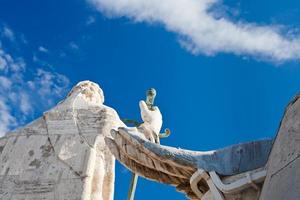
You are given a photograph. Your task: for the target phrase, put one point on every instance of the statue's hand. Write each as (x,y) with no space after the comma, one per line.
(151,117)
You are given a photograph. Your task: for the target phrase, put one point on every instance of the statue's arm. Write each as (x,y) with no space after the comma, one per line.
(128,147)
(139,150)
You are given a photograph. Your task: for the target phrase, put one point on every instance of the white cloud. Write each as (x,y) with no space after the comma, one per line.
(25,104)
(74,46)
(21,97)
(3,63)
(5,82)
(90,20)
(6,119)
(7,63)
(49,84)
(201,31)
(8,33)
(43,49)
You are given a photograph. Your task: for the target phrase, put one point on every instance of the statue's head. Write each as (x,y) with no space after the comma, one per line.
(89,91)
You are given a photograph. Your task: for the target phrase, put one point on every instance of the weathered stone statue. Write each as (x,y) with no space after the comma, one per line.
(69,153)
(249,171)
(62,155)
(198,174)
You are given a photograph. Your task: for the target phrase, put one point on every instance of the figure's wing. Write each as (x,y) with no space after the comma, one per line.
(156,162)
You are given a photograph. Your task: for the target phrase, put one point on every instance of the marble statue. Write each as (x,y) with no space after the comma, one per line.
(69,153)
(140,154)
(62,155)
(265,169)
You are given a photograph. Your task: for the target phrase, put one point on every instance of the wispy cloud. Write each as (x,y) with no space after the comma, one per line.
(73,46)
(205,30)
(8,33)
(5,82)
(7,63)
(6,118)
(43,49)
(90,20)
(49,84)
(21,96)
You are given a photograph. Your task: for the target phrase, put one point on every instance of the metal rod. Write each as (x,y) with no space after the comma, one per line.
(132,187)
(150,96)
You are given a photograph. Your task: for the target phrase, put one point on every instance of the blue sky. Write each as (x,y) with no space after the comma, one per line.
(216,86)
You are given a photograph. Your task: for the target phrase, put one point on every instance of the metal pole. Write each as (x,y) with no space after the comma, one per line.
(132,187)
(150,96)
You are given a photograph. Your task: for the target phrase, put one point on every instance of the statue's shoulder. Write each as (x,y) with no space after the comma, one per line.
(108,111)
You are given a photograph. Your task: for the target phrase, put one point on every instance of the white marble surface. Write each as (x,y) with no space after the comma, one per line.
(62,155)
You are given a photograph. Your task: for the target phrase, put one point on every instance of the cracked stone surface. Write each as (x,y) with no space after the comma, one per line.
(283,176)
(62,154)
